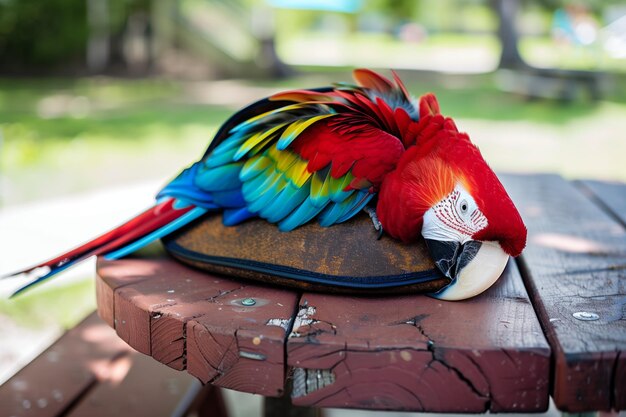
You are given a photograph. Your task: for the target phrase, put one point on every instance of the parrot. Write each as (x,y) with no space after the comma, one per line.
(327,154)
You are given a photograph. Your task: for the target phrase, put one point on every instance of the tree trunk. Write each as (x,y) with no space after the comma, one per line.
(507,11)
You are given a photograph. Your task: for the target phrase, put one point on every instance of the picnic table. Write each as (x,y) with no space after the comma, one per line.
(554,325)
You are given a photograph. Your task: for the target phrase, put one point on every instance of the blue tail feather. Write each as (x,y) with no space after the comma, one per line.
(157,234)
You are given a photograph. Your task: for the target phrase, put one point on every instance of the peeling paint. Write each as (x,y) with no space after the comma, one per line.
(306,381)
(284,323)
(252,355)
(303,319)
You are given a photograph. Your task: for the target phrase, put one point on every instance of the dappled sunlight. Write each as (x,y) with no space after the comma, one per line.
(119,268)
(113,373)
(119,369)
(96,334)
(568,243)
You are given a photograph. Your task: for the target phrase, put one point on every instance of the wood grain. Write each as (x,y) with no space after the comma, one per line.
(574,262)
(242,347)
(418,353)
(137,386)
(56,379)
(611,196)
(188,319)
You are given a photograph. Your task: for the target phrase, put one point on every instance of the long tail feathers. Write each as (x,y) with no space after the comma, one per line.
(163,218)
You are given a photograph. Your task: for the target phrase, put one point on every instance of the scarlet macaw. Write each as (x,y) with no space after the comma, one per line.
(328,153)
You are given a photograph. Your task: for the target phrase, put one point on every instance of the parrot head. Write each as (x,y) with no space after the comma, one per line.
(444,190)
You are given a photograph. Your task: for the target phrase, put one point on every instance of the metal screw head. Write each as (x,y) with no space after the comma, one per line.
(248,302)
(586,316)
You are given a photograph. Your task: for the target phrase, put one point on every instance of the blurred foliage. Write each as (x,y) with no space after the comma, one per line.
(36,32)
(52,32)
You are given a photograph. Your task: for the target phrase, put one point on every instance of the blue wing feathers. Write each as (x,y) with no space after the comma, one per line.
(229,198)
(264,199)
(253,173)
(365,198)
(290,198)
(305,212)
(183,188)
(225,177)
(233,217)
(260,186)
(220,159)
(253,185)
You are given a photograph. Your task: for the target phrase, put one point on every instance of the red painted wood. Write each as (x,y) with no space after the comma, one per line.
(104,297)
(188,319)
(137,386)
(574,263)
(418,353)
(232,345)
(78,361)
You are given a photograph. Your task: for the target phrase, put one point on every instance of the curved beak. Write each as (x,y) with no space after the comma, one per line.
(473,267)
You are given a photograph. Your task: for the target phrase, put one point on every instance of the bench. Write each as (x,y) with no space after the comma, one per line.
(552,83)
(552,326)
(90,372)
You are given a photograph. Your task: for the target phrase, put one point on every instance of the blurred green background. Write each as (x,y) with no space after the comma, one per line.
(100,94)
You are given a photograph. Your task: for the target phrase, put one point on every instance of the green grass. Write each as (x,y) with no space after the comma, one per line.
(545,52)
(62,306)
(64,136)
(95,132)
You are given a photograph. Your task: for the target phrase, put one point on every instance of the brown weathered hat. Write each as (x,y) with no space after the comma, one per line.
(343,258)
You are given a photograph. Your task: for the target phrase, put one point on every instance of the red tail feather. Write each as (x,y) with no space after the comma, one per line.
(137,227)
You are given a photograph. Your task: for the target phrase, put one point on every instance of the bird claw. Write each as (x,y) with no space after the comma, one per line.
(377,225)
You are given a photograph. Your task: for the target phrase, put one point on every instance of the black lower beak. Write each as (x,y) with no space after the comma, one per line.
(451,257)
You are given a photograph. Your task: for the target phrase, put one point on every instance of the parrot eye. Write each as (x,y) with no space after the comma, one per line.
(464,207)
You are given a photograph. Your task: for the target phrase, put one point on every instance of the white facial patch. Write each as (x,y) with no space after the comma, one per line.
(455,218)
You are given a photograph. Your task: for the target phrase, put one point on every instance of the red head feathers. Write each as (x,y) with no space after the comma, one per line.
(440,160)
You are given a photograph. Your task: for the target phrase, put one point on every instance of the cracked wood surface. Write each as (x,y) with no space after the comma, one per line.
(574,263)
(407,352)
(418,353)
(192,320)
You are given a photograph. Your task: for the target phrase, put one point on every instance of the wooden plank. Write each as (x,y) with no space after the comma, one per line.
(188,319)
(142,286)
(137,385)
(419,353)
(52,382)
(574,265)
(104,298)
(611,196)
(242,347)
